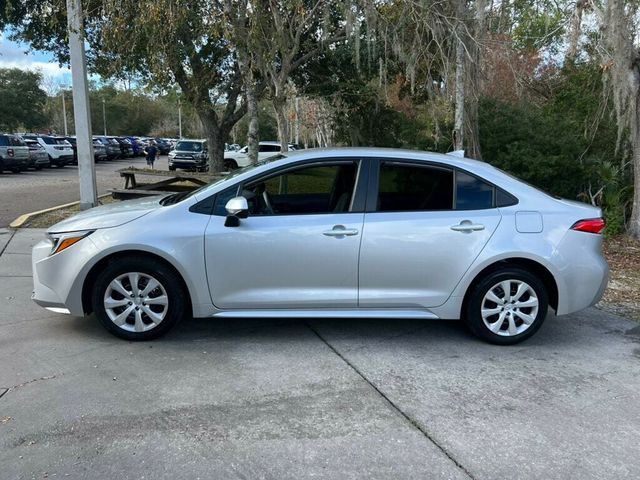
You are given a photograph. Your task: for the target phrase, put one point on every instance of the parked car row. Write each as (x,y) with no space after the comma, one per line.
(22,151)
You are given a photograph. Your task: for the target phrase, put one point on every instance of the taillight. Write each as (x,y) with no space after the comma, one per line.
(10,152)
(590,225)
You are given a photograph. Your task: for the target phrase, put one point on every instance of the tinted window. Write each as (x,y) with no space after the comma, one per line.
(49,140)
(504,199)
(189,146)
(312,189)
(414,188)
(221,200)
(269,148)
(472,193)
(4,141)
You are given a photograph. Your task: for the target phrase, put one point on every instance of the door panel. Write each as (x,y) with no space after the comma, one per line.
(415,259)
(284,261)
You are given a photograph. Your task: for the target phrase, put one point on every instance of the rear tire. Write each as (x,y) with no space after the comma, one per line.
(506,318)
(140,315)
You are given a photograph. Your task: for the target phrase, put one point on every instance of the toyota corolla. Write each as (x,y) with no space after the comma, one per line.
(343,233)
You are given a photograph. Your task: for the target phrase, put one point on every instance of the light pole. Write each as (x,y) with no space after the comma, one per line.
(179,120)
(81,108)
(64,110)
(104,118)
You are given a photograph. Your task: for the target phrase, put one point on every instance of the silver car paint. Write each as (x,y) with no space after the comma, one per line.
(286,266)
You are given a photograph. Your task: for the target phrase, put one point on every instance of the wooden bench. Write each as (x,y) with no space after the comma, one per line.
(133,188)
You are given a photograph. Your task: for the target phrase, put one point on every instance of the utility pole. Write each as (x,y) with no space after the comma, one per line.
(81,108)
(104,118)
(179,120)
(64,111)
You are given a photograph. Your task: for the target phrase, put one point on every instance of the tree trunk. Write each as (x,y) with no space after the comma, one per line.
(215,139)
(251,96)
(634,220)
(574,32)
(473,84)
(280,109)
(458,124)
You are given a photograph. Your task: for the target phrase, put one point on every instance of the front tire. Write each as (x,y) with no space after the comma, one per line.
(138,299)
(507,306)
(230,164)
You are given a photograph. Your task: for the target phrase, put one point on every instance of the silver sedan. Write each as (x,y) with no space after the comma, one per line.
(348,233)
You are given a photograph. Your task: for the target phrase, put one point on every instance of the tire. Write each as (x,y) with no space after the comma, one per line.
(38,168)
(138,326)
(518,323)
(172,169)
(230,164)
(16,170)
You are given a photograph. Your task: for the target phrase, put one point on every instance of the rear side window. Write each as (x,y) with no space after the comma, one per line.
(472,193)
(269,148)
(4,141)
(405,188)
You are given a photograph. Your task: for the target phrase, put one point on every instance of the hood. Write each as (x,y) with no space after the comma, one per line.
(106,216)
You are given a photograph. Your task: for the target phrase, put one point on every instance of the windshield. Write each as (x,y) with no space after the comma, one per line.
(189,146)
(50,140)
(177,197)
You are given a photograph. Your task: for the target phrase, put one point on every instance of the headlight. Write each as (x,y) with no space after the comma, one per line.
(62,241)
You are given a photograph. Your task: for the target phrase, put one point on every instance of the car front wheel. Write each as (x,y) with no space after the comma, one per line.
(138,299)
(507,306)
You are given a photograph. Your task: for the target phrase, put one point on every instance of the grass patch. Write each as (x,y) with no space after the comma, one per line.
(45,220)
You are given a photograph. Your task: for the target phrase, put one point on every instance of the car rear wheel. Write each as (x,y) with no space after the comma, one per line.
(138,299)
(507,306)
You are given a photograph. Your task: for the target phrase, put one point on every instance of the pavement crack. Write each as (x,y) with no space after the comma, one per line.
(412,421)
(49,377)
(13,232)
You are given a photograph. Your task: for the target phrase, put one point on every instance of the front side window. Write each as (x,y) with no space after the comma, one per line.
(404,188)
(312,189)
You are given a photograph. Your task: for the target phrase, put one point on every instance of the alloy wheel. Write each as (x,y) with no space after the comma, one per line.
(509,307)
(136,302)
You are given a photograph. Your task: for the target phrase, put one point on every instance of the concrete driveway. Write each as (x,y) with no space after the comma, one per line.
(311,399)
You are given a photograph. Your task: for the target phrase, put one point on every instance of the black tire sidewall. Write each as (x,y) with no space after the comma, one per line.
(473,317)
(160,272)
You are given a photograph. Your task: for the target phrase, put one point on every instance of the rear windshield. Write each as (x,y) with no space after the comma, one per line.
(189,146)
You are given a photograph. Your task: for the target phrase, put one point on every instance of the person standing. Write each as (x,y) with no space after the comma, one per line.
(151,152)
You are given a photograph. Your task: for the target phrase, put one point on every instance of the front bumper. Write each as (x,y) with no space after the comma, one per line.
(187,164)
(62,160)
(57,278)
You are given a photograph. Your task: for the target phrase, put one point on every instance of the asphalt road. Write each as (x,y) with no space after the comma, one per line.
(337,399)
(32,190)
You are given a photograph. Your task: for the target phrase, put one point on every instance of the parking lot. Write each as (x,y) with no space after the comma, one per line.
(311,399)
(31,190)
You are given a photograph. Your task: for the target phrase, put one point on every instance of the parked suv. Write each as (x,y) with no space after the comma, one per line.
(14,153)
(112,146)
(189,155)
(38,157)
(59,150)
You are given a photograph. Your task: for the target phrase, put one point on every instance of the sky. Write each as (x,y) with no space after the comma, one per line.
(18,55)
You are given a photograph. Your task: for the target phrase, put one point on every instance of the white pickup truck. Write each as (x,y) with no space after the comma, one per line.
(240,158)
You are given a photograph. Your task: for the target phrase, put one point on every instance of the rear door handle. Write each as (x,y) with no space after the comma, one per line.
(467,226)
(340,231)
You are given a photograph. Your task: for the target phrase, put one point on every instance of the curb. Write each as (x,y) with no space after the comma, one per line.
(22,219)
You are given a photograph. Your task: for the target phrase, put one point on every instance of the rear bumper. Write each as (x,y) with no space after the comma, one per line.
(584,273)
(62,160)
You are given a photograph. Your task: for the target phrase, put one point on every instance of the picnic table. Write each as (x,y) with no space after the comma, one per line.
(165,181)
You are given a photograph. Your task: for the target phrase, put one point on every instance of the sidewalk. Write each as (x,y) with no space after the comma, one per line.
(324,399)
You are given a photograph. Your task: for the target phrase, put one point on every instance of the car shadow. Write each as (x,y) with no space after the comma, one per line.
(556,332)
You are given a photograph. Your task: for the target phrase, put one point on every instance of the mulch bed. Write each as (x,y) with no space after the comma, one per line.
(622,296)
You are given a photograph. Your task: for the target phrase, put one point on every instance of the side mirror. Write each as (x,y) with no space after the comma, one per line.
(237,208)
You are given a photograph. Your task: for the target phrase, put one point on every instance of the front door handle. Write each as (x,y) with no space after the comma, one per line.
(340,231)
(467,226)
